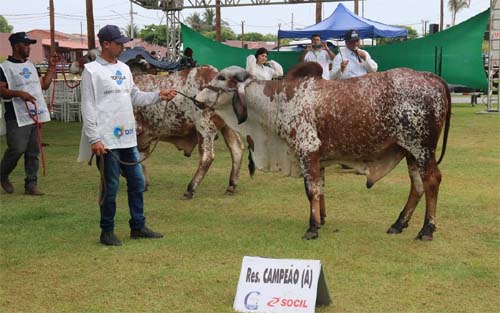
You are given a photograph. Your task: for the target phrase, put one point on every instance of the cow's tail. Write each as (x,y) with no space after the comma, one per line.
(251,164)
(447,123)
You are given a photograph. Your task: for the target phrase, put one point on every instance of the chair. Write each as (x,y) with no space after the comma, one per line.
(73,112)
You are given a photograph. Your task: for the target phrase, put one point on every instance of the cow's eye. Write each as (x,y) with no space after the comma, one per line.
(220,77)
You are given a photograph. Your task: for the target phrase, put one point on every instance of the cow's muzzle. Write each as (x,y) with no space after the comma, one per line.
(198,104)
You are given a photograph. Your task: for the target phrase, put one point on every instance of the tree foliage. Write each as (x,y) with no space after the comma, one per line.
(455,6)
(412,34)
(205,24)
(226,34)
(154,34)
(128,30)
(4,25)
(258,37)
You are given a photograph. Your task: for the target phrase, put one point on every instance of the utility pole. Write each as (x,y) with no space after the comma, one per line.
(292,21)
(243,34)
(131,21)
(218,36)
(52,28)
(424,27)
(441,16)
(363,8)
(90,25)
(356,7)
(318,11)
(278,38)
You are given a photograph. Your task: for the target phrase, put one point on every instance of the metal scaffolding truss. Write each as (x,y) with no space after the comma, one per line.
(200,4)
(172,10)
(494,58)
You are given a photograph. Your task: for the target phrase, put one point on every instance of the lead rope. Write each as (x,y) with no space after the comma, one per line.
(63,63)
(102,185)
(34,117)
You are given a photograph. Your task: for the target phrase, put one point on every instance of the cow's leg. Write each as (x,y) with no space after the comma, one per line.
(206,152)
(416,192)
(311,169)
(235,145)
(322,206)
(431,178)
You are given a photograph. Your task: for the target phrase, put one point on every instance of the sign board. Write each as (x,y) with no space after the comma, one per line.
(280,285)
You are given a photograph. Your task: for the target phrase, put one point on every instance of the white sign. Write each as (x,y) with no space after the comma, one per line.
(280,285)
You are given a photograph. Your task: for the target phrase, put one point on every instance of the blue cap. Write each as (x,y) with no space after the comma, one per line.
(20,38)
(112,33)
(351,35)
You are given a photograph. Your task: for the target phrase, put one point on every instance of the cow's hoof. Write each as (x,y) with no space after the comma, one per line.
(231,190)
(393,230)
(424,237)
(426,233)
(310,235)
(188,195)
(323,220)
(397,228)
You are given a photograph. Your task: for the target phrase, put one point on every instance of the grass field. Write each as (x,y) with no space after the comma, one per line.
(51,259)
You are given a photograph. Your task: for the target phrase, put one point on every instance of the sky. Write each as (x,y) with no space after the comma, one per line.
(70,14)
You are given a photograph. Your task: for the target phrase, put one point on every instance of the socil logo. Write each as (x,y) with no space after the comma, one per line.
(120,131)
(252,300)
(118,77)
(25,72)
(287,303)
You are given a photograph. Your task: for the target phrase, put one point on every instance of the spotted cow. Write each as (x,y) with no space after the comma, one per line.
(301,124)
(181,123)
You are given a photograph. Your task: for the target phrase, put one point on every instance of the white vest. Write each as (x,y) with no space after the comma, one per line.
(322,58)
(23,76)
(112,85)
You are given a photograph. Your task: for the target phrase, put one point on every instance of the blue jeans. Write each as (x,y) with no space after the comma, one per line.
(135,187)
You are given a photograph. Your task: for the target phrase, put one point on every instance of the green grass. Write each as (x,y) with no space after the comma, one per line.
(51,260)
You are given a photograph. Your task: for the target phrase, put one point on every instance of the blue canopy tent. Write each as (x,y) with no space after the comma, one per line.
(342,20)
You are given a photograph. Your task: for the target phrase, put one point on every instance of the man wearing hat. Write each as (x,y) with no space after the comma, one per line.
(21,91)
(108,94)
(351,61)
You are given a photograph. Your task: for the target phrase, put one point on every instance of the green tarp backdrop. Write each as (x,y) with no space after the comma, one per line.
(455,53)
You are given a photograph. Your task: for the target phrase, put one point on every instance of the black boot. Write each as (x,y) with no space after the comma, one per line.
(109,238)
(144,232)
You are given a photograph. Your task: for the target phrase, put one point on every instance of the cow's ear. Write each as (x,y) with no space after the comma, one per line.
(242,76)
(239,107)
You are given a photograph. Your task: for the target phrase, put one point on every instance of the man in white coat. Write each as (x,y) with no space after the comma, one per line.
(351,61)
(24,104)
(108,94)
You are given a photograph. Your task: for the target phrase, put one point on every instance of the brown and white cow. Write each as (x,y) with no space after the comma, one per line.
(369,123)
(181,123)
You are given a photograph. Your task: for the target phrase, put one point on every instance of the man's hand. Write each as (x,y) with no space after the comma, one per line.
(26,96)
(168,94)
(54,58)
(325,46)
(361,54)
(343,65)
(98,148)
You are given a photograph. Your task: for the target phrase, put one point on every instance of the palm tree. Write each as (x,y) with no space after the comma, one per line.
(455,6)
(195,22)
(205,24)
(131,30)
(209,19)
